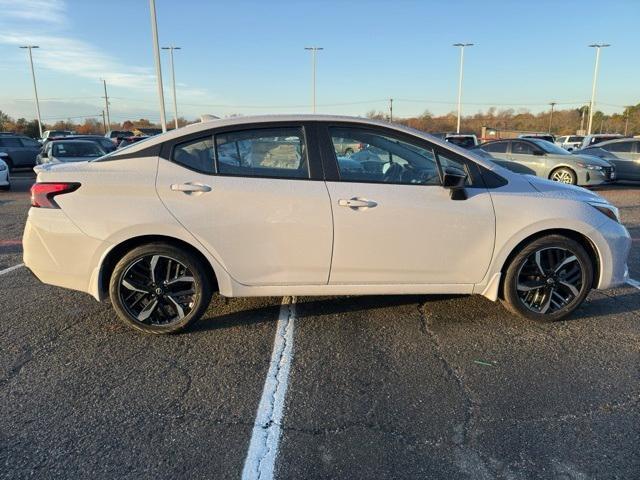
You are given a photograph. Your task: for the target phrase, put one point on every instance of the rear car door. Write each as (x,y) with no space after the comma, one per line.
(393,221)
(12,146)
(30,151)
(255,198)
(628,162)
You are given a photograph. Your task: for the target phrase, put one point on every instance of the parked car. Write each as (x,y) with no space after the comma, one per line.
(623,153)
(54,133)
(545,159)
(541,136)
(63,151)
(106,144)
(117,135)
(463,140)
(162,224)
(21,151)
(569,142)
(596,138)
(5,183)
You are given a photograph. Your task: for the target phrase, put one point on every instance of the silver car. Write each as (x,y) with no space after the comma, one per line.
(569,142)
(61,151)
(623,153)
(545,159)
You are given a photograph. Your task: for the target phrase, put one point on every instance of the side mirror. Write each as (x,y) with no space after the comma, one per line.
(538,153)
(454,179)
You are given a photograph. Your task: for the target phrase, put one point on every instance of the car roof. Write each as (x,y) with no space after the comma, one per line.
(72,140)
(618,140)
(298,118)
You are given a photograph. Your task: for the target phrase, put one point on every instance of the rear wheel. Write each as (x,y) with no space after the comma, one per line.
(159,288)
(548,279)
(564,175)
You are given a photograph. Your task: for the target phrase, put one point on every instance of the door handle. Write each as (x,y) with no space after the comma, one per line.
(190,187)
(357,203)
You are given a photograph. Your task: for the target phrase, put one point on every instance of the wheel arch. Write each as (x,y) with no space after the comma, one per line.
(582,239)
(562,165)
(111,258)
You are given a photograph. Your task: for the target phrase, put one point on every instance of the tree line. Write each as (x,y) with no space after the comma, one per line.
(564,122)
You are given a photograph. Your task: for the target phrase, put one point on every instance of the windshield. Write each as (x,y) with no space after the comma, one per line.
(77,149)
(549,147)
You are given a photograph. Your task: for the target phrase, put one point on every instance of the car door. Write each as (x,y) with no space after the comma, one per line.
(13,147)
(393,221)
(628,160)
(30,151)
(528,156)
(254,197)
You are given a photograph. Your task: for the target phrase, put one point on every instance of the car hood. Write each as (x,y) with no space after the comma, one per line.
(563,191)
(591,159)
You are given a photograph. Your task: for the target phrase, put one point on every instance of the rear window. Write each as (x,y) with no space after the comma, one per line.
(464,142)
(497,147)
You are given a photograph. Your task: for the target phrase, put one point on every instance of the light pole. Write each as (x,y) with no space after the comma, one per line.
(313,69)
(156,52)
(553,104)
(35,89)
(106,104)
(592,104)
(173,81)
(461,45)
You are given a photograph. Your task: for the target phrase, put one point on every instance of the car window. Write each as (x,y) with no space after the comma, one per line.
(269,152)
(10,142)
(575,139)
(196,154)
(383,159)
(464,142)
(27,142)
(623,147)
(76,149)
(496,147)
(521,148)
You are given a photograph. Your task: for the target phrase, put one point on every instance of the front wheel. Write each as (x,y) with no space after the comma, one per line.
(564,175)
(548,279)
(159,288)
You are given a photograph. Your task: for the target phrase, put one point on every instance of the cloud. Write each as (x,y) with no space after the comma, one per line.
(48,11)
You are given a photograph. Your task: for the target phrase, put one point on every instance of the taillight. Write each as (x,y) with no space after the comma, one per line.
(42,193)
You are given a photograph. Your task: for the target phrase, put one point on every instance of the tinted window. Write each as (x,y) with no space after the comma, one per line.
(575,139)
(272,152)
(383,159)
(27,142)
(623,147)
(521,148)
(76,149)
(195,154)
(496,147)
(10,142)
(464,142)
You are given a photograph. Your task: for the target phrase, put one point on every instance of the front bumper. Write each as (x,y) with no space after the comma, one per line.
(613,243)
(596,177)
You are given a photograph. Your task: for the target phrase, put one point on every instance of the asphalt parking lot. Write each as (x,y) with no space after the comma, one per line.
(379,387)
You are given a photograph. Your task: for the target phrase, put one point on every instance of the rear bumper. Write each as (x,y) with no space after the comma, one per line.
(57,252)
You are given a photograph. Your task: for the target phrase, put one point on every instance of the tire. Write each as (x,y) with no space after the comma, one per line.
(5,187)
(546,265)
(564,175)
(134,289)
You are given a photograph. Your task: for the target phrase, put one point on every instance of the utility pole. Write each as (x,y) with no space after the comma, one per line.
(156,52)
(584,109)
(626,120)
(553,104)
(106,104)
(173,82)
(35,89)
(461,45)
(391,110)
(104,123)
(313,51)
(592,104)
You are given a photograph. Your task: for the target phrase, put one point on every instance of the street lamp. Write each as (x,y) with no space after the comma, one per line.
(156,52)
(461,45)
(313,62)
(35,90)
(173,81)
(592,104)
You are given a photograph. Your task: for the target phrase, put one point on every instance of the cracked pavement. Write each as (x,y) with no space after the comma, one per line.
(439,387)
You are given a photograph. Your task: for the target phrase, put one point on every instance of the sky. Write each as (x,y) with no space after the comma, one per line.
(247,57)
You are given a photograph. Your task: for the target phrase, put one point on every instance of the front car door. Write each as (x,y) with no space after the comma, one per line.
(628,159)
(255,198)
(529,156)
(393,221)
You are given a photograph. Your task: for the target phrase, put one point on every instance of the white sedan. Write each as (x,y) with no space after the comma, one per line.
(5,184)
(262,206)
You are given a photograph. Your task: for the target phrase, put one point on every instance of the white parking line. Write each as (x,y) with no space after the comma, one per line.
(263,448)
(11,269)
(633,283)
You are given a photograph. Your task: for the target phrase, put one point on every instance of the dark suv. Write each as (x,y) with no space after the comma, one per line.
(21,151)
